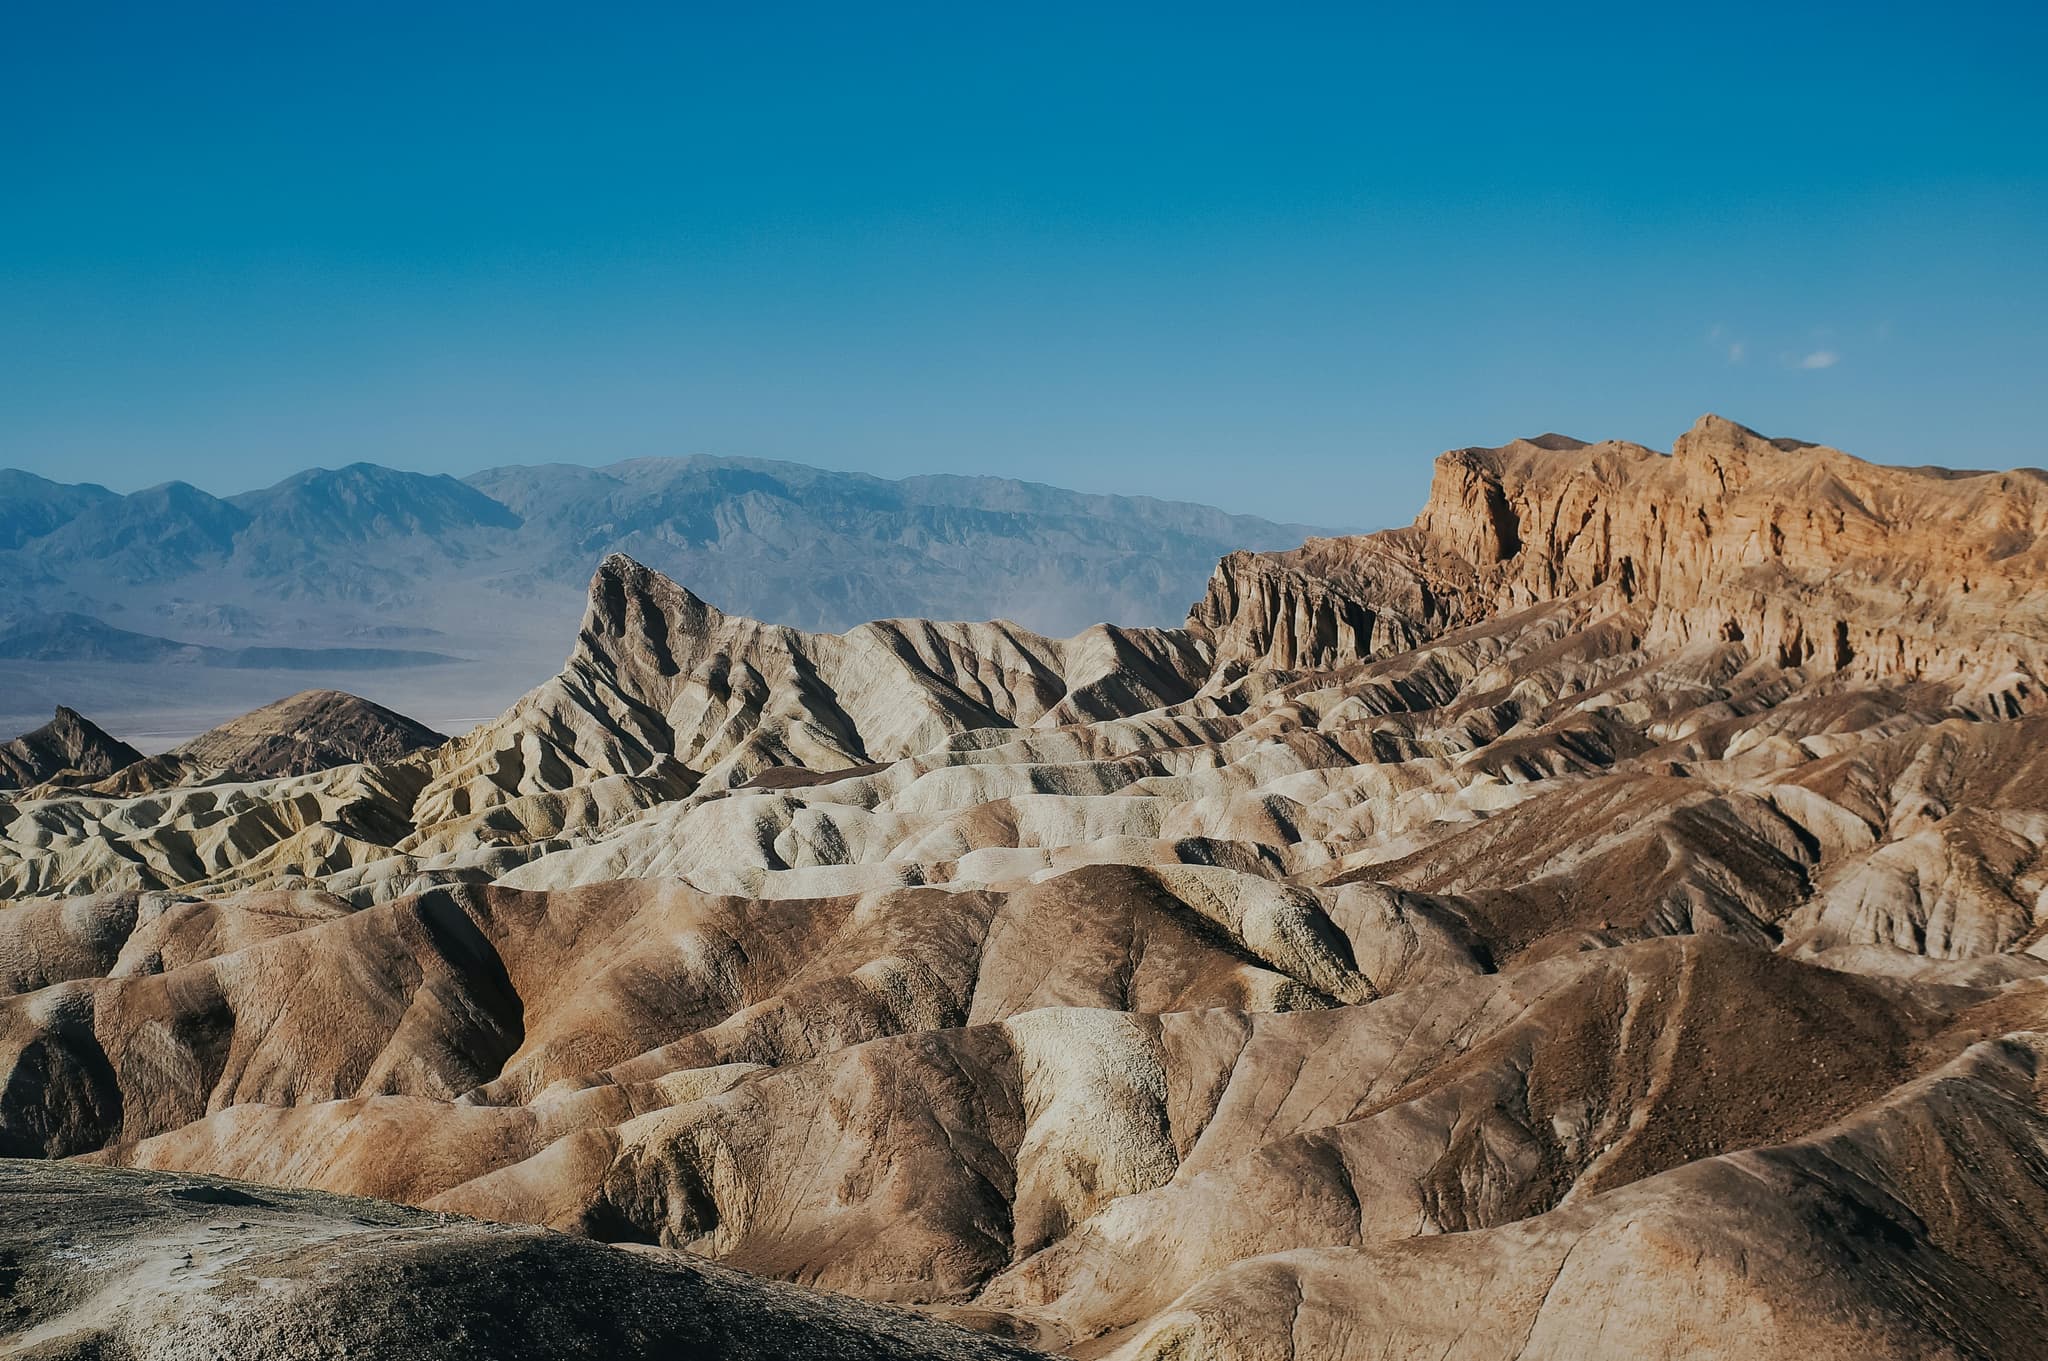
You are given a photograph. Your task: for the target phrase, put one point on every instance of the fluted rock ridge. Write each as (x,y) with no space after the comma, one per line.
(70,743)
(664,684)
(1805,556)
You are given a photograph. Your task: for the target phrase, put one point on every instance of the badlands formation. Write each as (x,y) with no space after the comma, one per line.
(1602,920)
(69,744)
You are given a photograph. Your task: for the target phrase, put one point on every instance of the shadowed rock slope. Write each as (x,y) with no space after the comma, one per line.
(183,1266)
(68,745)
(1604,919)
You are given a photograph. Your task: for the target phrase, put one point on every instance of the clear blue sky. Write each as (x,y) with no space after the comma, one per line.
(1267,256)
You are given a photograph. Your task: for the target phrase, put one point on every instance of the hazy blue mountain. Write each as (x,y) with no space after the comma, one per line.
(313,575)
(826,550)
(66,636)
(70,637)
(363,502)
(780,541)
(159,534)
(32,506)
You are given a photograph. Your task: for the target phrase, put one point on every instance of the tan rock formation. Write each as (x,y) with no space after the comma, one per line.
(312,730)
(1602,919)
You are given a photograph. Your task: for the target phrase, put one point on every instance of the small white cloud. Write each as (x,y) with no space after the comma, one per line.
(1820,359)
(1737,352)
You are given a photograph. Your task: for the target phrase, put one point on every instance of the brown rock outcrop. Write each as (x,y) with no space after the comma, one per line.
(68,746)
(1801,554)
(187,1266)
(312,730)
(1606,918)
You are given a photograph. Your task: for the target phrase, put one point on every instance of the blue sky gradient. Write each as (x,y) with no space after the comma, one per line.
(1270,257)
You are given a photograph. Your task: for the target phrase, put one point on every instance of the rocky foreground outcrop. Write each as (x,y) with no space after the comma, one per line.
(103,1267)
(1604,919)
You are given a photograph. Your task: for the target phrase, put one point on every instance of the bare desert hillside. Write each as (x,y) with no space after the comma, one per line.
(1603,919)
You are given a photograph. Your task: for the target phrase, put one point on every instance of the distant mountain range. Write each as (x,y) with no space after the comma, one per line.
(65,636)
(334,575)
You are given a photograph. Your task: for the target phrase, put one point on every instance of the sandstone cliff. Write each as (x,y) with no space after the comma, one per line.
(1803,555)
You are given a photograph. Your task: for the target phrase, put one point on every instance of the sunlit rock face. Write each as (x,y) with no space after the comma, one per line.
(1602,919)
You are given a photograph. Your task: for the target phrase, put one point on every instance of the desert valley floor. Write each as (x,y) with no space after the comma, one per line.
(1602,920)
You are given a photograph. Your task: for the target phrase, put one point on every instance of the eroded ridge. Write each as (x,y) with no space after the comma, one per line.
(1601,919)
